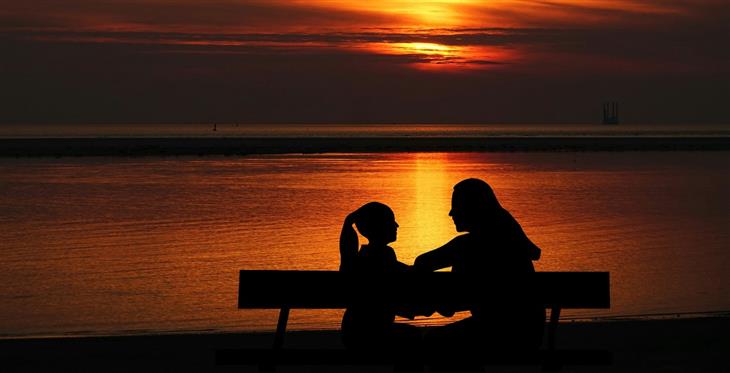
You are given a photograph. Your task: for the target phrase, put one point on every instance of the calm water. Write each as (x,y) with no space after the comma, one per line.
(111,245)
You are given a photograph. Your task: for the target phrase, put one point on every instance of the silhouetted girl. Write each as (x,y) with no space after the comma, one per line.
(372,326)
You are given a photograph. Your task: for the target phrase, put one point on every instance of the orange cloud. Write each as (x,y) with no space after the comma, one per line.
(320,15)
(440,34)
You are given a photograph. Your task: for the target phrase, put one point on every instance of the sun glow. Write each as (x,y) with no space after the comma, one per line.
(408,13)
(441,56)
(432,14)
(427,48)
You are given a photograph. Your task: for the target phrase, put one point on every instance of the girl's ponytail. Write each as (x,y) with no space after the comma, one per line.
(348,244)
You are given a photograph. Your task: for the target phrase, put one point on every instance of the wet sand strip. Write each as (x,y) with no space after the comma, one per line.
(671,345)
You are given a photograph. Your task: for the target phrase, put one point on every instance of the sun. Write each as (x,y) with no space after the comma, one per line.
(426,48)
(409,13)
(429,51)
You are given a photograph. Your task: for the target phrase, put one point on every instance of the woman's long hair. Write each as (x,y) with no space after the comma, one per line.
(484,208)
(482,202)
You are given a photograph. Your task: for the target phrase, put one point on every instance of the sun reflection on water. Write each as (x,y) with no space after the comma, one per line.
(426,218)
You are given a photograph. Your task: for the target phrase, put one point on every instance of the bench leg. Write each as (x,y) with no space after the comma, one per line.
(278,339)
(281,328)
(553,327)
(552,365)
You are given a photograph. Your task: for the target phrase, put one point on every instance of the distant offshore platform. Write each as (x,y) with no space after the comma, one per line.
(610,112)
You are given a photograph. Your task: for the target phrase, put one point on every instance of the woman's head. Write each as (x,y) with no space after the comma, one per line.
(376,222)
(472,203)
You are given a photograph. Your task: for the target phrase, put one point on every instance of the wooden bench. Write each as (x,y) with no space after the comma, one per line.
(285,290)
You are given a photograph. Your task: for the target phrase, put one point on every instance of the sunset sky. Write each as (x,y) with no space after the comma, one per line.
(375,61)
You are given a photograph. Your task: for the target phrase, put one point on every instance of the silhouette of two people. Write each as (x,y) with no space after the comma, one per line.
(494,253)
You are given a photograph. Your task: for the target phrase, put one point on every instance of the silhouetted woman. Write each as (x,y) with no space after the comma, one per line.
(497,255)
(372,326)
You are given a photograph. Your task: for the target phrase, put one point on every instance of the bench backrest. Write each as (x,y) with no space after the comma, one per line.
(332,289)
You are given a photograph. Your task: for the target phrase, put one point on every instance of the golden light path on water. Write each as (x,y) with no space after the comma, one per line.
(429,223)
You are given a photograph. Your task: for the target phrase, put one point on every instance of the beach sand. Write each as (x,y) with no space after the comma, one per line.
(668,345)
(173,146)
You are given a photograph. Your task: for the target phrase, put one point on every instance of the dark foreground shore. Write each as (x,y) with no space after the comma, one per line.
(59,147)
(681,345)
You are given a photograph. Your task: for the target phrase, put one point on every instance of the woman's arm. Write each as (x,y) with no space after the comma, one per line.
(439,258)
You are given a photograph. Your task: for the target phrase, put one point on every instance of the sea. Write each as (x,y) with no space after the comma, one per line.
(149,245)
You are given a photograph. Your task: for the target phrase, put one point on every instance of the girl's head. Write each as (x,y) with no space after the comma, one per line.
(376,222)
(472,204)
